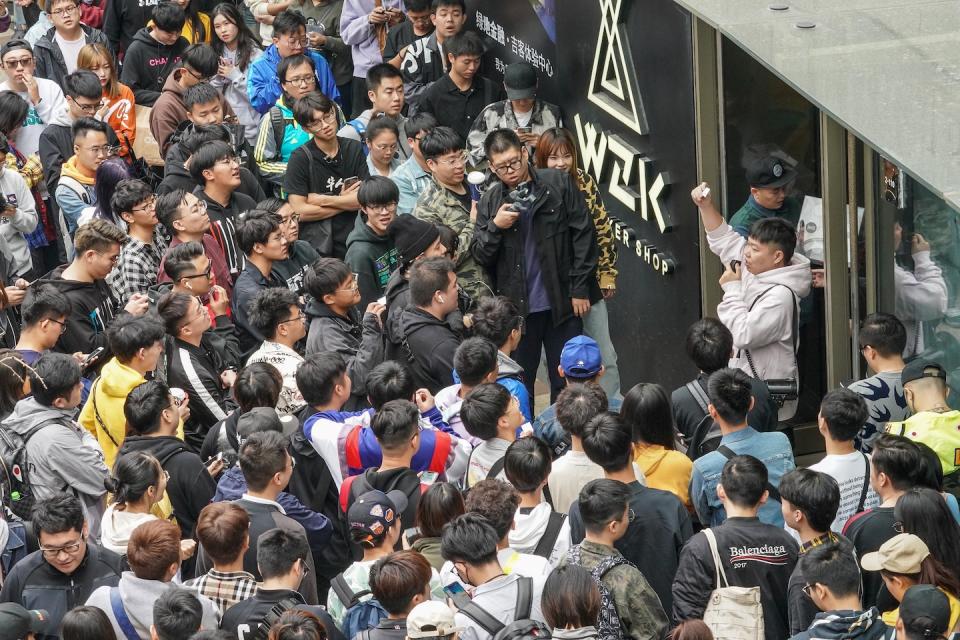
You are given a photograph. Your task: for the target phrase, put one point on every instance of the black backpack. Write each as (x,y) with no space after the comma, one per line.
(522,627)
(706,435)
(17,493)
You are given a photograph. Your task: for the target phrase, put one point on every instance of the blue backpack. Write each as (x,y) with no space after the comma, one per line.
(361,616)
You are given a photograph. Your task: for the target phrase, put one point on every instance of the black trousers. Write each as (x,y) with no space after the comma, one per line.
(539,332)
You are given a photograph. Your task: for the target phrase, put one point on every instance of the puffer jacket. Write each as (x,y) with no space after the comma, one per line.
(766,330)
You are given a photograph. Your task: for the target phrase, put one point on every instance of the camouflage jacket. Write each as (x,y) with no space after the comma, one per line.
(607,266)
(637,604)
(439,206)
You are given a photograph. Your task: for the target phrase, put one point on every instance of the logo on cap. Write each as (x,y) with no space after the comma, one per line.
(777,170)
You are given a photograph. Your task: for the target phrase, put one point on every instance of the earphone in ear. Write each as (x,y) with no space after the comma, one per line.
(189,286)
(441,299)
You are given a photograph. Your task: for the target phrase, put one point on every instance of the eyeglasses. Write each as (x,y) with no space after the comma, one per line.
(106,150)
(386,147)
(302,81)
(64,11)
(458,160)
(382,208)
(510,166)
(86,108)
(328,118)
(353,287)
(69,549)
(196,75)
(229,160)
(807,589)
(148,204)
(300,318)
(63,325)
(631,516)
(113,259)
(22,62)
(166,475)
(293,218)
(200,207)
(296,40)
(205,274)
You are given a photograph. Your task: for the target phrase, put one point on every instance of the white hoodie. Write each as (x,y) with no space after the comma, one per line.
(24,220)
(767,329)
(529,527)
(39,116)
(117,526)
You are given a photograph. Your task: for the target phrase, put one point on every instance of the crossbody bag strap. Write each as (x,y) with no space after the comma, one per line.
(866,483)
(120,614)
(96,414)
(795,324)
(497,468)
(524,598)
(479,615)
(548,540)
(698,394)
(721,574)
(729,453)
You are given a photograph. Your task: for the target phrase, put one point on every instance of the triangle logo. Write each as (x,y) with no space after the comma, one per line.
(612,82)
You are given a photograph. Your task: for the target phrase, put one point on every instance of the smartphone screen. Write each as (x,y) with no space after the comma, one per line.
(454,589)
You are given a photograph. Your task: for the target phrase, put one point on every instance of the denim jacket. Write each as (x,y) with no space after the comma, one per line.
(773,449)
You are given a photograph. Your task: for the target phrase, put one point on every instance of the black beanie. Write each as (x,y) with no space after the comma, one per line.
(411,236)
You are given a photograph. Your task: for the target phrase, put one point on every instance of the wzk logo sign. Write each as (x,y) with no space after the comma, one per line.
(611,86)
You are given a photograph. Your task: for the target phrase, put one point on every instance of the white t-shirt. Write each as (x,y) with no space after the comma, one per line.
(39,116)
(70,50)
(523,119)
(850,471)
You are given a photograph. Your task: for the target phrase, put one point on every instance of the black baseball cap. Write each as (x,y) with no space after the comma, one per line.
(925,611)
(17,622)
(13,45)
(261,419)
(921,368)
(769,172)
(520,81)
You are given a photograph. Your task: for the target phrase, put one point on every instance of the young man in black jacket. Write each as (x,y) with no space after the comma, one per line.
(263,242)
(152,52)
(537,240)
(753,553)
(65,570)
(53,59)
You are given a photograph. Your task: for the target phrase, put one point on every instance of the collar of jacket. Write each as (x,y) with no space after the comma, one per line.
(439,195)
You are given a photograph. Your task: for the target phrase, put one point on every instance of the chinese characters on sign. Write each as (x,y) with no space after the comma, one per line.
(518,47)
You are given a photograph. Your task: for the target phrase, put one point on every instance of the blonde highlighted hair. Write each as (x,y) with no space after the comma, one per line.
(96,54)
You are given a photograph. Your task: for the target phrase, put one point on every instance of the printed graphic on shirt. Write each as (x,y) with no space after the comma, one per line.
(765,554)
(33,117)
(385,265)
(12,201)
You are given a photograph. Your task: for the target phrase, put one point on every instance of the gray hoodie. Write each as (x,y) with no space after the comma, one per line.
(63,456)
(138,596)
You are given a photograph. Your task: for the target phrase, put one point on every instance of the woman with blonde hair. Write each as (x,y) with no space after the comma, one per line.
(119,107)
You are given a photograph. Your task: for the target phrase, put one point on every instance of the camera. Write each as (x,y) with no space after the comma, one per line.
(521,197)
(783,390)
(3,202)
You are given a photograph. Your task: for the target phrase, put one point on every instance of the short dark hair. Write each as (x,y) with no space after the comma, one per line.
(834,565)
(222,528)
(380,72)
(318,374)
(494,318)
(197,135)
(82,84)
(173,308)
(815,494)
(390,380)
(744,479)
(474,359)
(258,385)
(201,93)
(709,344)
(44,302)
(294,61)
(885,333)
(495,500)
(82,126)
(436,4)
(288,22)
(270,307)
(263,455)
(255,228)
(527,463)
(177,614)
(577,404)
(465,43)
(169,17)
(571,599)
(601,501)
(128,194)
(178,260)
(730,393)
(201,58)
(501,141)
(127,334)
(396,579)
(438,505)
(898,458)
(395,423)
(469,538)
(778,232)
(325,276)
(207,156)
(417,5)
(305,107)
(278,550)
(86,623)
(607,441)
(378,125)
(419,123)
(428,276)
(648,411)
(54,376)
(168,207)
(845,413)
(143,406)
(378,191)
(59,513)
(440,141)
(482,409)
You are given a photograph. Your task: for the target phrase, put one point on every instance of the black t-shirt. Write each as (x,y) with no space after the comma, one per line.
(243,619)
(458,109)
(389,629)
(311,171)
(398,37)
(466,200)
(867,531)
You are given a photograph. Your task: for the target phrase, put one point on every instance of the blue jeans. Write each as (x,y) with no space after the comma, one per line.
(596,324)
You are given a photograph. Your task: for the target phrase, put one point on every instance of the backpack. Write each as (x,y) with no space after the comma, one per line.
(609,626)
(548,540)
(17,494)
(522,627)
(706,435)
(359,616)
(361,130)
(732,613)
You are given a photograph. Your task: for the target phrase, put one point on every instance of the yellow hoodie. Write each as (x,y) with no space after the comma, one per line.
(69,168)
(107,398)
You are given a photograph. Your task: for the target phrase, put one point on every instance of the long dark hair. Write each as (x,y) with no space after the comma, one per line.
(13,374)
(246,42)
(87,623)
(133,473)
(110,173)
(570,598)
(648,411)
(193,17)
(924,513)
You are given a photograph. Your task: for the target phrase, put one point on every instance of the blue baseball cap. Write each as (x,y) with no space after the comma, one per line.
(580,357)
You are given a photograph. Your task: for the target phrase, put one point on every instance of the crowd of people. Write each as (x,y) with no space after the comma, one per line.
(282,384)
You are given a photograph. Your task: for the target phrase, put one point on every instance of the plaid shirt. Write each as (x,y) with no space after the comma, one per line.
(137,267)
(225,589)
(827,538)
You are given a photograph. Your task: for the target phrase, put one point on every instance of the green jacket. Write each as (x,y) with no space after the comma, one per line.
(373,258)
(638,606)
(439,206)
(751,211)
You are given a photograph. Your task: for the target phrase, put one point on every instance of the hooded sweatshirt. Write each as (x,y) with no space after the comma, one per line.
(92,309)
(530,524)
(766,330)
(169,112)
(357,339)
(63,457)
(56,145)
(846,625)
(116,527)
(432,344)
(148,63)
(74,193)
(14,188)
(372,258)
(138,596)
(176,176)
